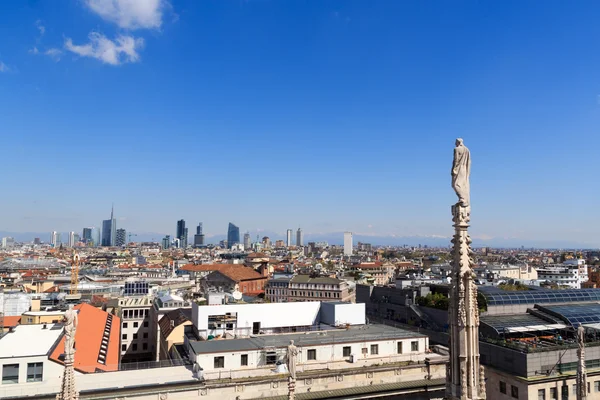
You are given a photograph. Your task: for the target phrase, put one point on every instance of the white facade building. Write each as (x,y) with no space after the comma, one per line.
(55,239)
(71,239)
(8,242)
(299,238)
(562,275)
(136,337)
(288,239)
(347,243)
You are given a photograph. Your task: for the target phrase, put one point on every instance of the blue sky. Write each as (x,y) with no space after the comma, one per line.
(330,115)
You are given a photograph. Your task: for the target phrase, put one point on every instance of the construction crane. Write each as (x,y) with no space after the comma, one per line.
(74,273)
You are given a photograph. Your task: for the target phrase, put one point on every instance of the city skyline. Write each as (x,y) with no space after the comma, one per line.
(330,81)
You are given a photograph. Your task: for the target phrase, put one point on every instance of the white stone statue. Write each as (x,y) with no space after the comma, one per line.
(292,355)
(461,169)
(70,319)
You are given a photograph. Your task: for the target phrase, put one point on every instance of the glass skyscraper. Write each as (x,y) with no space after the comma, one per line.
(109,230)
(182,233)
(233,235)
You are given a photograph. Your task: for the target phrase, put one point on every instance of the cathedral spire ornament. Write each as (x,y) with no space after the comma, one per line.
(68,391)
(581,374)
(465,375)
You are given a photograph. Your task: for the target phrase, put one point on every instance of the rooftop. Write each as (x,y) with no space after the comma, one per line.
(30,340)
(321,280)
(350,335)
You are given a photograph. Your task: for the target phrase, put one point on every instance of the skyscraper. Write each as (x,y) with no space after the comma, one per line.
(182,233)
(233,235)
(71,239)
(96,236)
(347,243)
(288,241)
(166,242)
(55,239)
(121,239)
(8,242)
(109,230)
(199,236)
(87,235)
(299,238)
(247,243)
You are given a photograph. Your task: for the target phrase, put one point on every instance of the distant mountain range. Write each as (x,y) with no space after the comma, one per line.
(337,238)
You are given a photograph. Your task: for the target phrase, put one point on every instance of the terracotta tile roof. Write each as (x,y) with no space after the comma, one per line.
(88,341)
(10,322)
(205,267)
(239,273)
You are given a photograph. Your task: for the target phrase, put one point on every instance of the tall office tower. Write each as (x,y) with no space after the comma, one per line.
(233,235)
(347,243)
(166,242)
(266,242)
(37,241)
(87,235)
(55,239)
(121,239)
(288,241)
(96,237)
(299,238)
(71,239)
(247,243)
(8,242)
(109,230)
(181,233)
(199,236)
(199,229)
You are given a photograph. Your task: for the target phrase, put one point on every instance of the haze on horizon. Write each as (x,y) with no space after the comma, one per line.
(330,116)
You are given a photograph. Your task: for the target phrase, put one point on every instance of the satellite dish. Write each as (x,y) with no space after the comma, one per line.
(236,295)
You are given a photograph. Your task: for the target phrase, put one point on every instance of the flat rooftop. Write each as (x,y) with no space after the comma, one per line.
(353,334)
(30,340)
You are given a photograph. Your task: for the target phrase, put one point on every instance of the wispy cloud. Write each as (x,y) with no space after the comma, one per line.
(4,67)
(130,14)
(40,27)
(54,54)
(33,50)
(123,50)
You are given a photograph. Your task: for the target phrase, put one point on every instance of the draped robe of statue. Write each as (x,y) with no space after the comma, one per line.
(292,355)
(461,170)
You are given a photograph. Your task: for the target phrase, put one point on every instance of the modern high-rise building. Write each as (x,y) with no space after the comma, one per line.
(288,239)
(121,239)
(87,235)
(182,233)
(199,229)
(8,242)
(347,243)
(247,243)
(96,237)
(71,242)
(299,238)
(109,230)
(37,241)
(233,235)
(55,239)
(166,242)
(199,236)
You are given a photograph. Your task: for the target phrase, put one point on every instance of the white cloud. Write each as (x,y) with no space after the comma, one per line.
(123,50)
(130,14)
(54,53)
(4,67)
(40,27)
(33,50)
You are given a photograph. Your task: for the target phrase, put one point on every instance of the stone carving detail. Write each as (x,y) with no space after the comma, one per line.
(461,169)
(68,390)
(462,314)
(163,396)
(581,372)
(481,380)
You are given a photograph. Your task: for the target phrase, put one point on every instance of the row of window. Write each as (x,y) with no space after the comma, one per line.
(311,354)
(10,373)
(552,392)
(134,347)
(298,293)
(135,336)
(135,324)
(135,313)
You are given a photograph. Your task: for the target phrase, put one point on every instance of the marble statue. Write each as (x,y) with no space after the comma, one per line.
(461,169)
(70,319)
(292,355)
(581,337)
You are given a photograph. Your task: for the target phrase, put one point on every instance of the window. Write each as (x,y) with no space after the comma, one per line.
(502,387)
(514,391)
(346,351)
(145,335)
(564,392)
(144,346)
(134,347)
(123,347)
(124,325)
(124,337)
(10,373)
(311,354)
(399,347)
(541,394)
(597,386)
(34,372)
(145,324)
(414,346)
(365,350)
(135,336)
(553,394)
(219,362)
(374,349)
(575,390)
(136,324)
(244,360)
